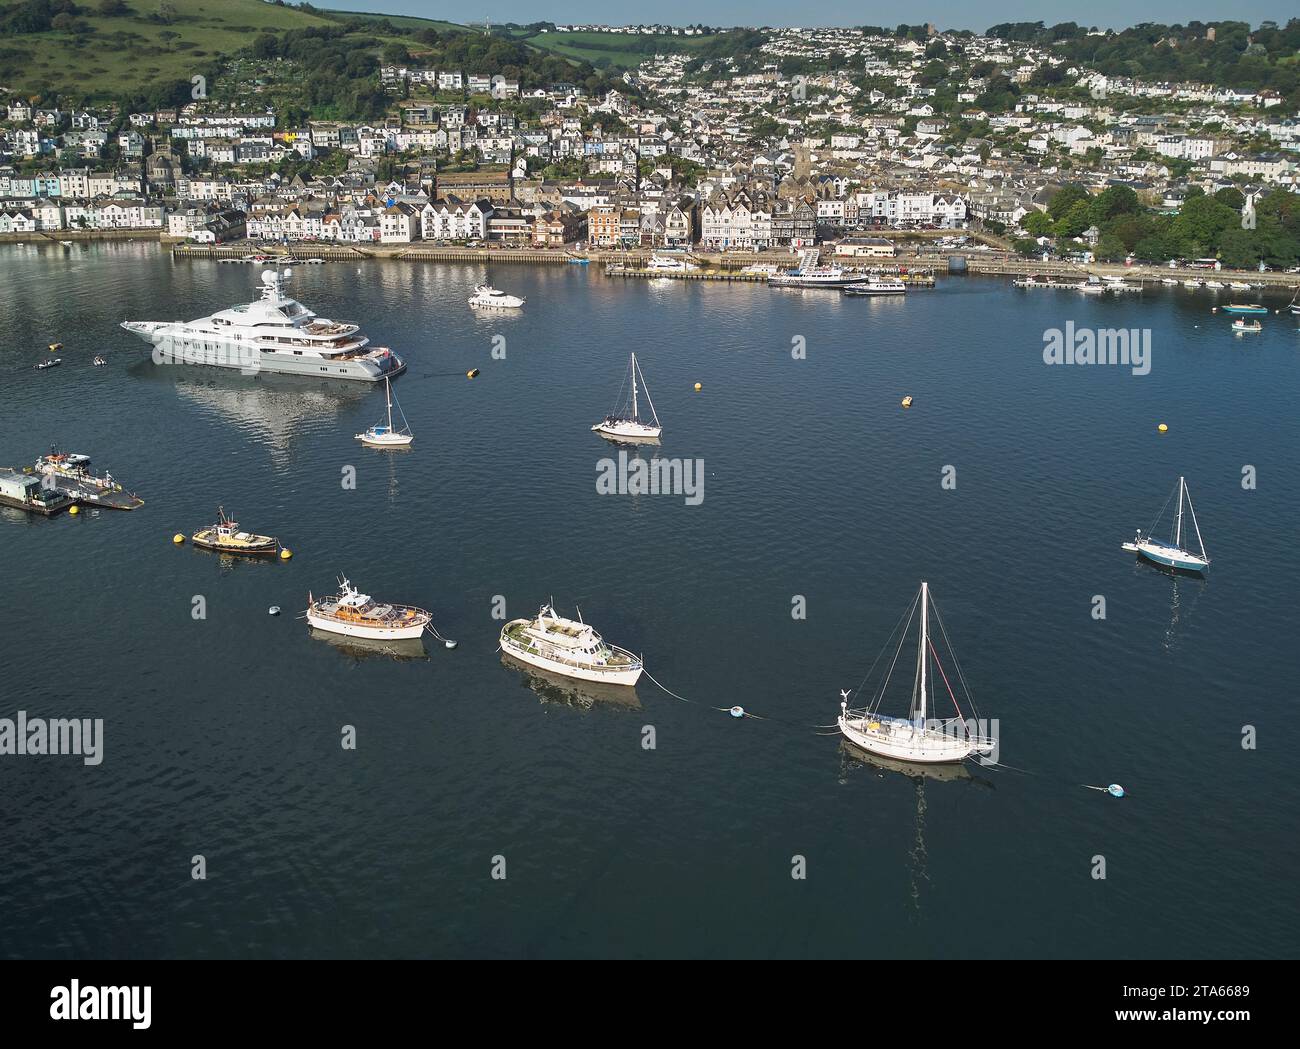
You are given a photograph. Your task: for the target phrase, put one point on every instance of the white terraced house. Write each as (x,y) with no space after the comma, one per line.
(451,219)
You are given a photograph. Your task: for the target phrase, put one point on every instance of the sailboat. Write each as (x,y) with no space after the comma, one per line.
(620,425)
(385,435)
(1173,554)
(918,738)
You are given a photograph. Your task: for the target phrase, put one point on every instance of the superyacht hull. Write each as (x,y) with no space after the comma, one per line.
(206,351)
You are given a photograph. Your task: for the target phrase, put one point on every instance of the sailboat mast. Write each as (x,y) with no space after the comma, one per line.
(634,415)
(388,389)
(925,637)
(1178,533)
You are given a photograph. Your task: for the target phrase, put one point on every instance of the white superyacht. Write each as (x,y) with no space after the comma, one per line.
(274,334)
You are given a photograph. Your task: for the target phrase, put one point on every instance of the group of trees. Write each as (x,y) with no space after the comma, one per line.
(1228,54)
(1204,227)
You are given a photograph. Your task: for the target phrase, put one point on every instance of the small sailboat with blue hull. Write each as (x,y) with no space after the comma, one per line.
(1175,553)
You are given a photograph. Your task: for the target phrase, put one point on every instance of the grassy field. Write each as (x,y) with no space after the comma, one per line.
(586,46)
(131,52)
(403,21)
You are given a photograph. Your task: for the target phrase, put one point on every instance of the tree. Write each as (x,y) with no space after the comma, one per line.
(1064,199)
(1037,224)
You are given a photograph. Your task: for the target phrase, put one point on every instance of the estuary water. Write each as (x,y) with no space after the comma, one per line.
(222,734)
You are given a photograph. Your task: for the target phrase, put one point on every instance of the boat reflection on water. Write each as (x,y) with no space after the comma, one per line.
(917,854)
(277,409)
(572,692)
(947,771)
(359,648)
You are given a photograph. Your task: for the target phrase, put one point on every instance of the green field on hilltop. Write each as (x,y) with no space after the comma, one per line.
(107,55)
(403,21)
(591,47)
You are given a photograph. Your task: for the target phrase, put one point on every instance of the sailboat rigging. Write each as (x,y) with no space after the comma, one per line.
(624,423)
(385,435)
(1175,553)
(920,738)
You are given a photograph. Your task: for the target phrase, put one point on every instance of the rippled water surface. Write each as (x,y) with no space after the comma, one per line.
(222,735)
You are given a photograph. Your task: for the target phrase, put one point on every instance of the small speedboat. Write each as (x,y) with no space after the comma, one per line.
(489,298)
(1215,284)
(1244,326)
(53,362)
(1192,283)
(99,362)
(1169,280)
(1246,308)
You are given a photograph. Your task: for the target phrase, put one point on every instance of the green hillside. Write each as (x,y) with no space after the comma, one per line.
(90,54)
(617,49)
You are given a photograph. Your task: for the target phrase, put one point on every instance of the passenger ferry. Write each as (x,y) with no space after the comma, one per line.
(274,334)
(877,286)
(568,647)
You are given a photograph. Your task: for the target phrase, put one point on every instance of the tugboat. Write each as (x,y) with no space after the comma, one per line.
(226,537)
(569,648)
(70,472)
(359,615)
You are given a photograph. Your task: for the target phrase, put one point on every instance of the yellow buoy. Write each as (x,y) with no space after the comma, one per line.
(73,510)
(1163,428)
(698,387)
(285,554)
(178,538)
(471,373)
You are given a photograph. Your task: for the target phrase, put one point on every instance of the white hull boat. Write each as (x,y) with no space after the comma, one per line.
(570,648)
(918,738)
(359,615)
(1174,553)
(625,422)
(275,334)
(486,297)
(386,435)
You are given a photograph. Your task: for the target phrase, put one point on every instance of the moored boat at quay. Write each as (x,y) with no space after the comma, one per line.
(274,334)
(356,614)
(71,473)
(568,647)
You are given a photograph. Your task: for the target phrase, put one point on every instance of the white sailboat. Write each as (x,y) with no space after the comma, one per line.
(385,435)
(625,425)
(1173,554)
(919,738)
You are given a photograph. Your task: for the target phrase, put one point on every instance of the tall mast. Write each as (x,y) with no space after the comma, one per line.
(925,636)
(1178,533)
(634,415)
(388,387)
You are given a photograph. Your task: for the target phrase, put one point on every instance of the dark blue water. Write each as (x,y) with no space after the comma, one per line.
(222,735)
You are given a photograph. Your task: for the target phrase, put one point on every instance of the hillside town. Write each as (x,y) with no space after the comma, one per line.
(724,154)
